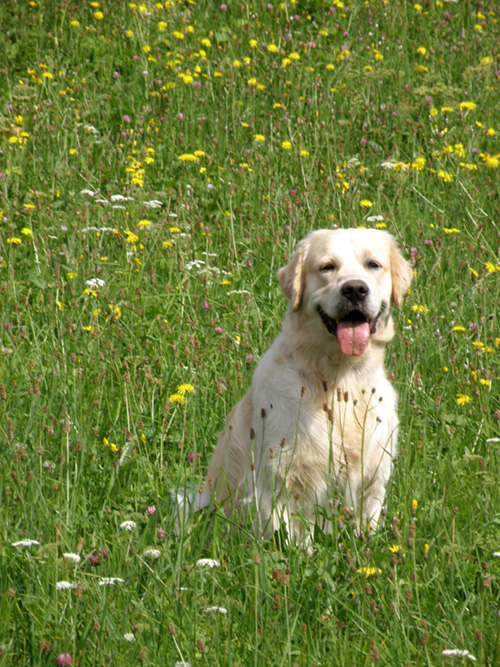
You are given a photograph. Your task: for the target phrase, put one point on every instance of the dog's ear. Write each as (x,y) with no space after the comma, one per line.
(401,273)
(292,276)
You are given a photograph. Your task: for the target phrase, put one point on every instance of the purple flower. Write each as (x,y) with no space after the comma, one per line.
(126,119)
(180,116)
(363,141)
(249,358)
(218,330)
(161,534)
(64,659)
(151,510)
(413,252)
(427,242)
(193,456)
(223,8)
(8,326)
(116,75)
(205,305)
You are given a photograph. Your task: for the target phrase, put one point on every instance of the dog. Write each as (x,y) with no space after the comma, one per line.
(319,420)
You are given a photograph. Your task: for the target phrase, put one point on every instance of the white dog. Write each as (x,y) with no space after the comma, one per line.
(319,418)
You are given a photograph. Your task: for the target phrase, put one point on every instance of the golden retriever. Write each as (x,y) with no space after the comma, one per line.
(319,419)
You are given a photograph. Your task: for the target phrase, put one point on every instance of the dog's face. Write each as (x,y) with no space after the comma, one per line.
(345,280)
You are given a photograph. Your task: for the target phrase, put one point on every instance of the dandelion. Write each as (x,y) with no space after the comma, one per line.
(26,231)
(422,51)
(185,389)
(259,137)
(188,157)
(463,399)
(369,571)
(366,203)
(420,308)
(177,398)
(14,241)
(467,106)
(144,223)
(128,526)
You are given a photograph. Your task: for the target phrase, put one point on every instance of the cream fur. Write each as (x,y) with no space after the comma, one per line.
(317,425)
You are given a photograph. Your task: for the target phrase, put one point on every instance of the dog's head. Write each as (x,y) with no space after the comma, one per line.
(345,280)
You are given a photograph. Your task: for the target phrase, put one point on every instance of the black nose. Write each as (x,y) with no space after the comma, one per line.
(355,290)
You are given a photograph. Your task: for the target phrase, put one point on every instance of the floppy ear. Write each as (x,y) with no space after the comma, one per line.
(401,274)
(292,276)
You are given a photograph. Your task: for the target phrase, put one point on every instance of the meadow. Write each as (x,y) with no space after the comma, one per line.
(158,163)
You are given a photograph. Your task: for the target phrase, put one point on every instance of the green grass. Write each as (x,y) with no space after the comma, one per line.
(108,104)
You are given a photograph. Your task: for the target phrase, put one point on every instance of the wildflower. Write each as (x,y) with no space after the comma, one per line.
(64,659)
(75,558)
(492,162)
(111,581)
(129,637)
(366,203)
(26,543)
(219,610)
(98,16)
(426,548)
(151,510)
(419,308)
(14,241)
(422,50)
(414,504)
(458,328)
(207,562)
(111,445)
(95,283)
(144,223)
(286,145)
(128,525)
(463,399)
(65,586)
(456,653)
(451,230)
(185,388)
(395,549)
(177,398)
(467,106)
(259,137)
(369,571)
(161,534)
(152,553)
(188,157)
(26,231)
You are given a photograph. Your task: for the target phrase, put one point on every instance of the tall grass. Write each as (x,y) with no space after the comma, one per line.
(158,162)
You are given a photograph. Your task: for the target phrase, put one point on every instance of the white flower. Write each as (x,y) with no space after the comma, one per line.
(375,218)
(152,553)
(154,203)
(120,198)
(129,637)
(457,653)
(128,525)
(76,558)
(25,543)
(220,610)
(182,664)
(111,581)
(95,283)
(90,193)
(207,562)
(496,554)
(65,585)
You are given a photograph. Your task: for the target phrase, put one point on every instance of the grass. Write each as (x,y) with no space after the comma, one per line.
(228,134)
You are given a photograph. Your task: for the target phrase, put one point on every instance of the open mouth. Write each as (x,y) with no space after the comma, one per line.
(353,331)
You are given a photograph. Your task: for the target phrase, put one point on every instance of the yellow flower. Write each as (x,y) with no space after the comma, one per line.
(286,145)
(463,399)
(253,43)
(71,275)
(458,328)
(490,267)
(451,230)
(162,26)
(144,223)
(98,16)
(167,244)
(365,203)
(60,305)
(419,308)
(492,162)
(422,50)
(272,48)
(111,445)
(259,137)
(185,389)
(395,548)
(177,398)
(414,504)
(467,106)
(174,230)
(26,231)
(13,240)
(369,571)
(206,42)
(188,157)
(131,237)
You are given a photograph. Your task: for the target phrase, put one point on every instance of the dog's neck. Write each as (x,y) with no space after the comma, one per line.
(318,357)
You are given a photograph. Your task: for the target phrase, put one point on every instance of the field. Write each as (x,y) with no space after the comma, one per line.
(158,163)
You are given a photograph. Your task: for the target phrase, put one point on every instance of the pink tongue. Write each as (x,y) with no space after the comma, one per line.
(353,337)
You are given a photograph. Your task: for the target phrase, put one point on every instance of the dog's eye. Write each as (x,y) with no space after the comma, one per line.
(331,266)
(372,264)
